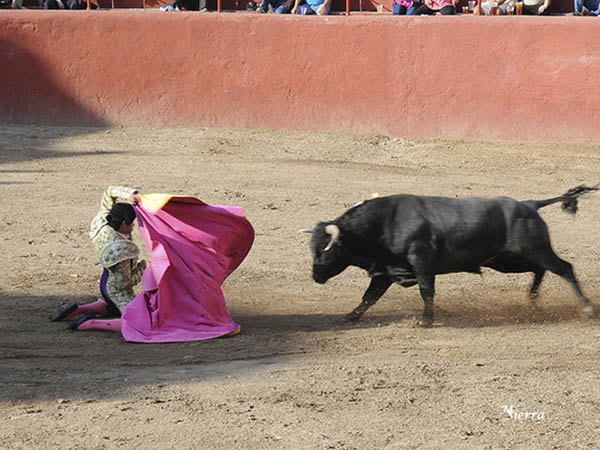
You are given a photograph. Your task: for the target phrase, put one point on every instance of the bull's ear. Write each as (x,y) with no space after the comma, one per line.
(306,230)
(333,230)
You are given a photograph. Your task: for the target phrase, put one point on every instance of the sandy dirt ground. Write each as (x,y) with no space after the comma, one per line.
(297,377)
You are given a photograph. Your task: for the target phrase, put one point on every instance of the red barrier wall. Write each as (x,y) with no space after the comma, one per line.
(508,78)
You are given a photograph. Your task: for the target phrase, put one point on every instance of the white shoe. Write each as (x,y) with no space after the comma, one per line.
(168,7)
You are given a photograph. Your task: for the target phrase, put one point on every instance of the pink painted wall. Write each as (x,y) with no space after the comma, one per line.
(507,78)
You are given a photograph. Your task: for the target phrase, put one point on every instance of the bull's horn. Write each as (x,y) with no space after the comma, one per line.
(305,230)
(334,231)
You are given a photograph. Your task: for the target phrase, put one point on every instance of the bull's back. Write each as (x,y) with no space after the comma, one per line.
(463,233)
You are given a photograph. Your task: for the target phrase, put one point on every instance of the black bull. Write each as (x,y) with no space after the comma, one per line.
(409,239)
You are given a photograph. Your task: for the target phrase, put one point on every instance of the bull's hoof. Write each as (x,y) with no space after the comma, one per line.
(425,323)
(352,317)
(587,311)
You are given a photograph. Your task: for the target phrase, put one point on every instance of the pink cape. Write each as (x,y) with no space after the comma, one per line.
(194,247)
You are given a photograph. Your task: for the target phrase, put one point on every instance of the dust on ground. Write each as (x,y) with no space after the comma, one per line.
(297,376)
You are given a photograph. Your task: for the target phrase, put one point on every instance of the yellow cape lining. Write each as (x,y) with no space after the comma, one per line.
(154,202)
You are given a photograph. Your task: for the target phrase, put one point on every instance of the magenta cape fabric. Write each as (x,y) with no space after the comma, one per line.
(194,247)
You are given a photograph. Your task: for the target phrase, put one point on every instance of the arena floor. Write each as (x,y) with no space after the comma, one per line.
(297,377)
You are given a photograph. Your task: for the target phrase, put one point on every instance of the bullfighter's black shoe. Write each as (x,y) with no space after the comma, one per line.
(84,318)
(64,310)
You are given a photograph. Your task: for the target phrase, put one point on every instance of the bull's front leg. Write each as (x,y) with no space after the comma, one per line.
(379,284)
(427,290)
(421,258)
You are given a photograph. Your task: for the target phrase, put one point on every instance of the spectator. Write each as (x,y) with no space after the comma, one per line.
(276,6)
(502,7)
(320,7)
(534,7)
(405,7)
(587,8)
(186,5)
(62,4)
(430,7)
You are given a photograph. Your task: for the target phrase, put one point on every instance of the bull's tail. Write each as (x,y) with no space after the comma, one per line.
(568,199)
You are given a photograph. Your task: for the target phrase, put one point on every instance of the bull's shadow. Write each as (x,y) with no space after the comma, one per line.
(296,323)
(449,316)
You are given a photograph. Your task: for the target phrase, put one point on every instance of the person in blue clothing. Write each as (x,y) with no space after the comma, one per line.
(320,7)
(276,6)
(587,8)
(405,7)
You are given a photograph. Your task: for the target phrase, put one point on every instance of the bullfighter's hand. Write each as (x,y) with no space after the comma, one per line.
(133,199)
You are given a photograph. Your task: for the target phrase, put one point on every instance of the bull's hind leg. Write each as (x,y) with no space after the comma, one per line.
(510,262)
(379,284)
(537,280)
(547,259)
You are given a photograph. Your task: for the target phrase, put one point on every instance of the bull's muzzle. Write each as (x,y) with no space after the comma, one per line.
(319,274)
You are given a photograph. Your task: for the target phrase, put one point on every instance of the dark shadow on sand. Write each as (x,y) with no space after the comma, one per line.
(39,359)
(24,143)
(35,352)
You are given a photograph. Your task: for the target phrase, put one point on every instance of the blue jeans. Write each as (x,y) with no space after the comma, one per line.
(400,10)
(277,6)
(593,7)
(306,9)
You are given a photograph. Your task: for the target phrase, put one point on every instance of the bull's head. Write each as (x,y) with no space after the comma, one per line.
(329,258)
